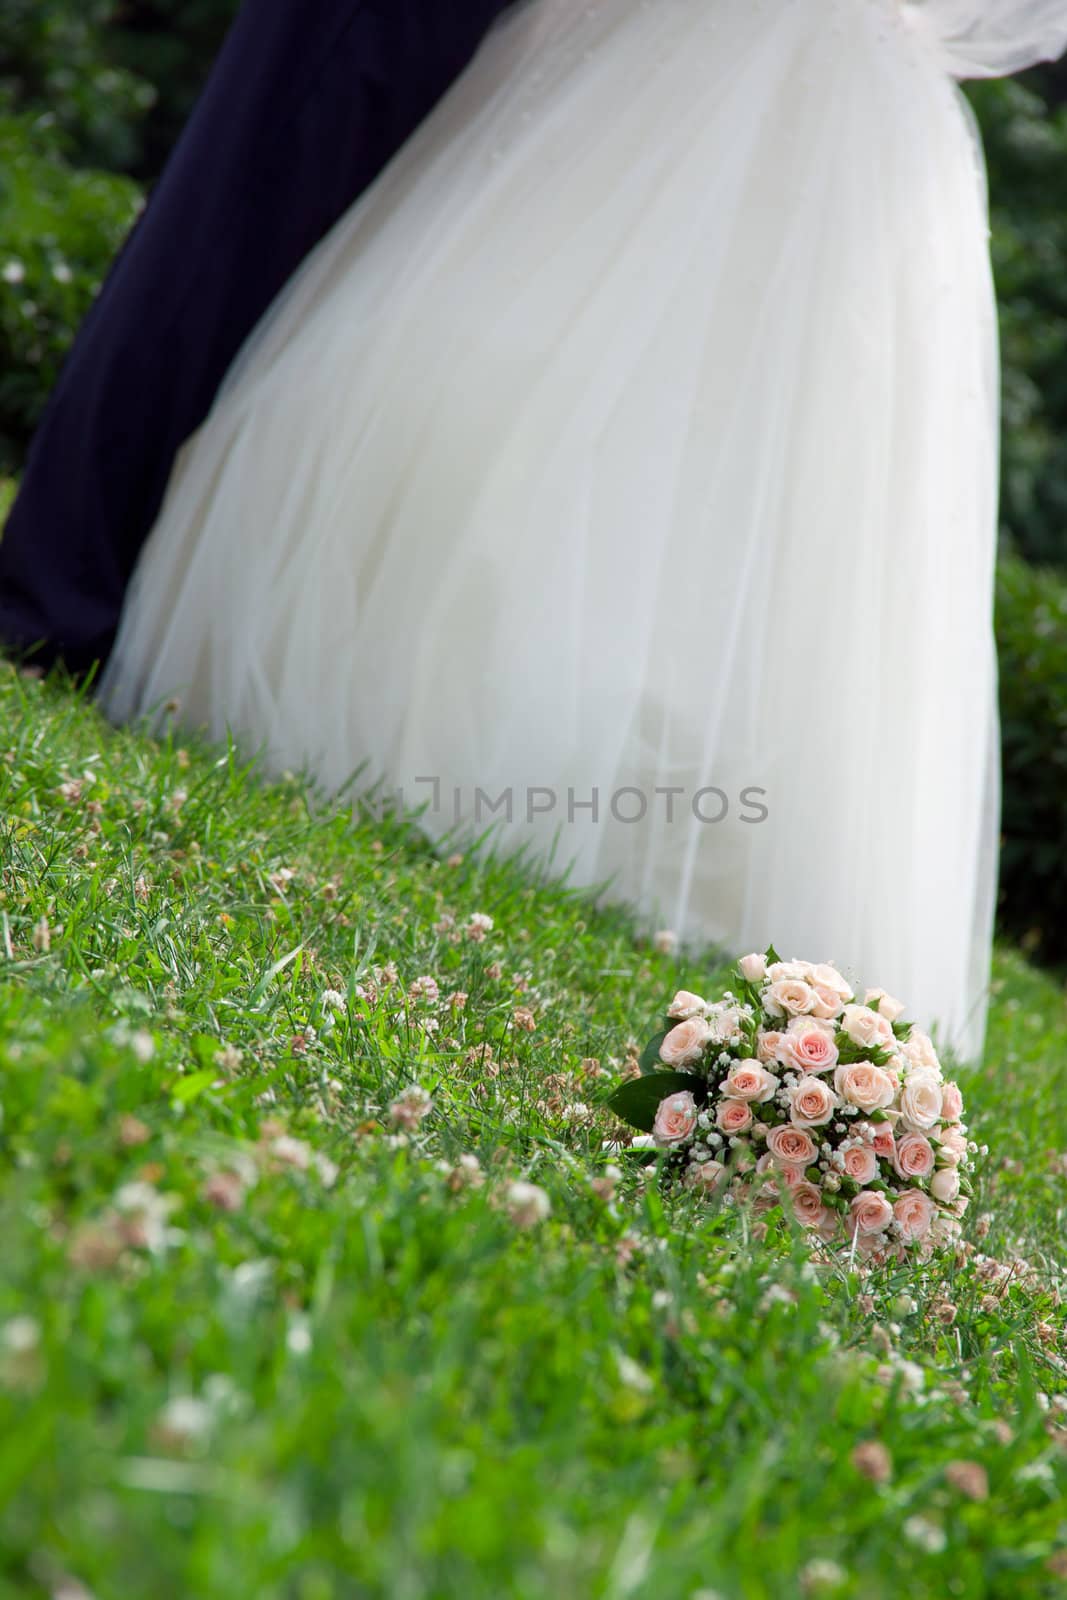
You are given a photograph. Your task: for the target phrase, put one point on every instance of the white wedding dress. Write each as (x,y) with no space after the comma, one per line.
(637,431)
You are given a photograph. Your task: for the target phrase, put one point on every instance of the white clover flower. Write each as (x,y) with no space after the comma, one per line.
(925,1535)
(13,271)
(527,1204)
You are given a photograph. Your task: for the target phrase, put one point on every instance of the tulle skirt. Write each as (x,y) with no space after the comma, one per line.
(621,473)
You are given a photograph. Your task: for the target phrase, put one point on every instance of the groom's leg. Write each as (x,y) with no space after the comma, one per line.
(308,101)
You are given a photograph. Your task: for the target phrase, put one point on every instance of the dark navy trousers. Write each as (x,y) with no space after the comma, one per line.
(307,102)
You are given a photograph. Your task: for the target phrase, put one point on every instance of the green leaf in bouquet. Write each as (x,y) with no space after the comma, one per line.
(650,1061)
(771,955)
(638,1099)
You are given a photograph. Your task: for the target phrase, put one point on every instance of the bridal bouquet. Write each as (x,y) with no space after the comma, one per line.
(794,1090)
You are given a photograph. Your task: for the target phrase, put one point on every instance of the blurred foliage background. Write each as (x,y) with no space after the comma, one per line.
(93,95)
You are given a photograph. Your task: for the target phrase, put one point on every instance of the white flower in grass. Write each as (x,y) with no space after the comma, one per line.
(527,1204)
(13,272)
(184,1420)
(411,1108)
(146,1213)
(333,1000)
(925,1535)
(665,942)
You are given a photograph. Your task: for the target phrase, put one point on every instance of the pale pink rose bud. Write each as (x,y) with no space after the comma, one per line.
(887,1007)
(951,1102)
(914,1211)
(862,1084)
(826,976)
(812,1104)
(685,1042)
(867,1028)
(914,1156)
(861,1163)
(828,1003)
(808,1048)
(733,1116)
(750,1081)
(789,997)
(870,1212)
(945,1185)
(767,1046)
(920,1101)
(791,1146)
(675,1119)
(753,968)
(686,1005)
(705,1175)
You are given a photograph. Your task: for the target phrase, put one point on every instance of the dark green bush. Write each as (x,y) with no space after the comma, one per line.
(1032,638)
(57,59)
(59,229)
(1026,148)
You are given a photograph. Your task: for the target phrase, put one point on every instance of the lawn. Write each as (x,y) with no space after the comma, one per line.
(280,1319)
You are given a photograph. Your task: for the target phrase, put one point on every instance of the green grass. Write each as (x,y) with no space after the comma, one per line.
(281,1370)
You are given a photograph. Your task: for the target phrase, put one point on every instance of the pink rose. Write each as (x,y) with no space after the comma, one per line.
(724,1021)
(733,1116)
(861,1163)
(705,1175)
(882,1140)
(675,1119)
(828,1003)
(808,1048)
(686,1005)
(914,1212)
(865,1085)
(920,1101)
(869,1029)
(791,1176)
(791,1146)
(753,968)
(807,1203)
(914,1156)
(945,1185)
(812,1104)
(685,1042)
(951,1102)
(789,997)
(919,1051)
(953,1145)
(887,1007)
(750,1081)
(870,1212)
(787,971)
(826,976)
(767,1046)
